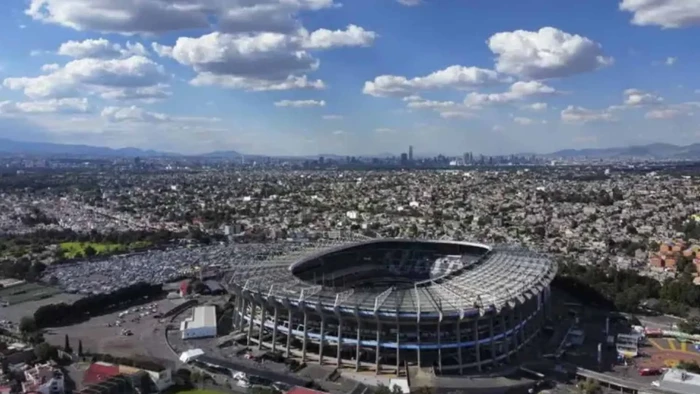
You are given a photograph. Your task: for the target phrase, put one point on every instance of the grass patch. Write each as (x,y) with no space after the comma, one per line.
(72,250)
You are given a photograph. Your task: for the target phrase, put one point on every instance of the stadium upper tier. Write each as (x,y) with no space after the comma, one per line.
(398,277)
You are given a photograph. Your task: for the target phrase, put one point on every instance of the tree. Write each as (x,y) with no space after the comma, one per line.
(66,345)
(45,352)
(690,326)
(382,389)
(196,378)
(27,325)
(589,386)
(89,251)
(80,347)
(690,366)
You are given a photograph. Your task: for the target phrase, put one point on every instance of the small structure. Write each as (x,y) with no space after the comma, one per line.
(190,355)
(99,372)
(627,345)
(679,381)
(184,288)
(214,287)
(202,324)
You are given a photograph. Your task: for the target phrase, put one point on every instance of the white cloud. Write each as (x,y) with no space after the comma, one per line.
(518,91)
(673,110)
(537,106)
(260,61)
(50,67)
(410,3)
(463,114)
(352,36)
(664,13)
(64,105)
(139,115)
(132,114)
(667,113)
(446,109)
(147,94)
(452,77)
(91,76)
(162,50)
(338,132)
(332,117)
(636,98)
(159,16)
(670,61)
(300,103)
(256,84)
(523,121)
(384,130)
(101,49)
(573,114)
(547,53)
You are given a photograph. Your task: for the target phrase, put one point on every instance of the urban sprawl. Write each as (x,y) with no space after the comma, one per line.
(109,263)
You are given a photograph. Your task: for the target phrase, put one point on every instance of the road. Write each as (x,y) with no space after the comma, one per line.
(630,384)
(251,369)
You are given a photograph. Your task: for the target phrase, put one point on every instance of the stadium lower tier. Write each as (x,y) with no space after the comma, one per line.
(468,345)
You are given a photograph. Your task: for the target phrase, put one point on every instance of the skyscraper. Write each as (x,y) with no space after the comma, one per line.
(410,153)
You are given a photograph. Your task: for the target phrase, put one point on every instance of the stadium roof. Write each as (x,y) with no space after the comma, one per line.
(503,277)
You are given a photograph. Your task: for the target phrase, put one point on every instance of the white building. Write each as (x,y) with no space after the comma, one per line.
(202,324)
(678,381)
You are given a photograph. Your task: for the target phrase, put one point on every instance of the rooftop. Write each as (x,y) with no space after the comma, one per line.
(204,316)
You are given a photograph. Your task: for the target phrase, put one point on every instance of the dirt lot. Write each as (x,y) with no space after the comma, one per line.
(27,292)
(148,337)
(16,312)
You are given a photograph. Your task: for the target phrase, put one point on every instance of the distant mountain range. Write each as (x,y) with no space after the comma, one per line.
(650,151)
(47,148)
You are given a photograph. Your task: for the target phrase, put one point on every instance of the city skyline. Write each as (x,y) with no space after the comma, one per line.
(308,77)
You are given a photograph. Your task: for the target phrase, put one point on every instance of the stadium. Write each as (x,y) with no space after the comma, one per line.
(377,304)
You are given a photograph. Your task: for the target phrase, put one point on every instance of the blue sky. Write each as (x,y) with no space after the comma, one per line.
(361,77)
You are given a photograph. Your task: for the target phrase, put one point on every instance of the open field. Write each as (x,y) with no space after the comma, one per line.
(77,249)
(27,292)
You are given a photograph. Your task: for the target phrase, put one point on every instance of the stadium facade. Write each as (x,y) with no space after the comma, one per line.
(375,304)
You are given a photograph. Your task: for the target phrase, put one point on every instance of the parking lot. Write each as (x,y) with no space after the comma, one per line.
(26,292)
(15,312)
(102,335)
(152,266)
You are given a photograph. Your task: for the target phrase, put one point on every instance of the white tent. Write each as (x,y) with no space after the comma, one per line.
(191,354)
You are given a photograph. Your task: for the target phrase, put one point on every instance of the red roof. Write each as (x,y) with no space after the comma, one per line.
(304,390)
(97,373)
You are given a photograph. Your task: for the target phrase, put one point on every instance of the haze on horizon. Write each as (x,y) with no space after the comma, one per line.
(305,77)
